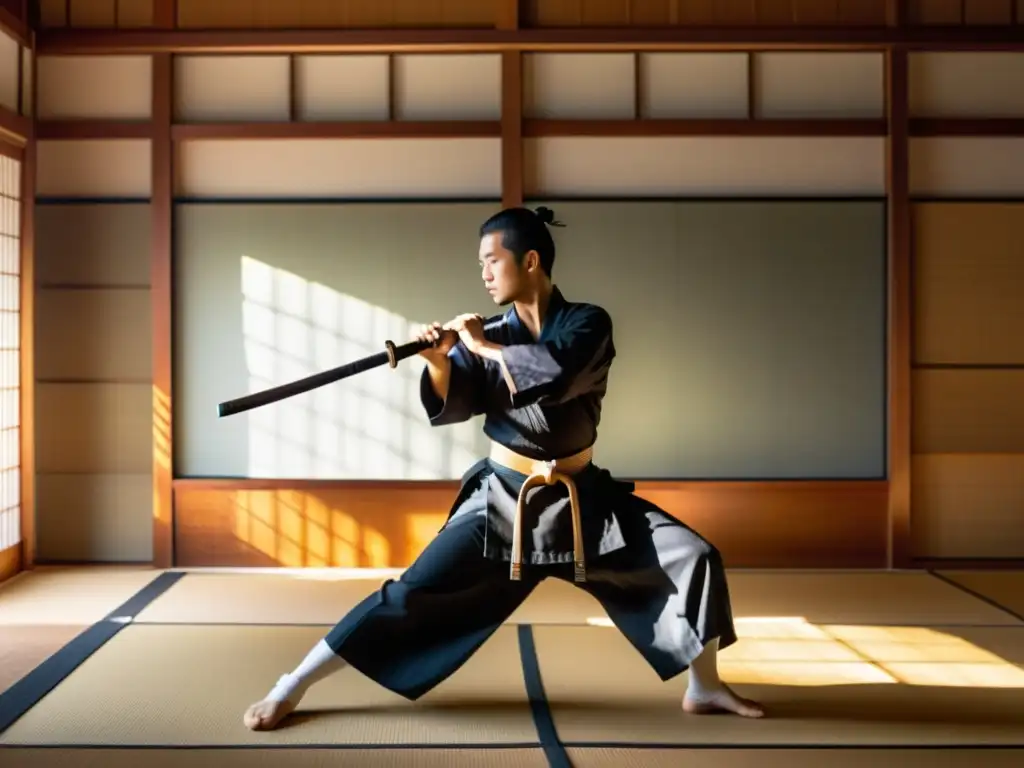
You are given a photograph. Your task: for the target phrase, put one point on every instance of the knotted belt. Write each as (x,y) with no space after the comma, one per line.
(545,473)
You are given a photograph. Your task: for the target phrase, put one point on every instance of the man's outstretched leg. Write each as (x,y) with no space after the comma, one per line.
(321,662)
(707,694)
(412,633)
(667,593)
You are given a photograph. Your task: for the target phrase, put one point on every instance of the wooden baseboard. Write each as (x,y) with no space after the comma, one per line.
(10,562)
(370,524)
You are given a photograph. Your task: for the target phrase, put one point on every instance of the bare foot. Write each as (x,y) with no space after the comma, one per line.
(265,715)
(723,701)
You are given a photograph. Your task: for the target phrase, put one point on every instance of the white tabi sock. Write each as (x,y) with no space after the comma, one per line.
(704,681)
(321,662)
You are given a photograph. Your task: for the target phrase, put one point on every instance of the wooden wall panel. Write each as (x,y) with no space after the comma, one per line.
(364,97)
(446,87)
(590,86)
(386,525)
(969,411)
(10,562)
(95,517)
(694,85)
(968,483)
(93,373)
(968,506)
(968,167)
(10,85)
(942,12)
(132,14)
(988,11)
(956,12)
(670,166)
(94,87)
(968,283)
(93,334)
(232,88)
(976,84)
(355,168)
(126,14)
(648,13)
(257,14)
(819,85)
(108,168)
(92,13)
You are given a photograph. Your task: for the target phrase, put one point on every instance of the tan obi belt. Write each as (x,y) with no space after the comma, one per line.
(545,473)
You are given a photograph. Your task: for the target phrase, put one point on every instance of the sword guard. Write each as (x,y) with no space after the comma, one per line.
(580,571)
(516,572)
(389,347)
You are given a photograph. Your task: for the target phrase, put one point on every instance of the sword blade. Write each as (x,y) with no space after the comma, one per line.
(308,383)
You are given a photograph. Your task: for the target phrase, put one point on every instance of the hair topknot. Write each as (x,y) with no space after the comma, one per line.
(546,215)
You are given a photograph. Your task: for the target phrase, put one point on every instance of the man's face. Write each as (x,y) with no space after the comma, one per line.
(503,277)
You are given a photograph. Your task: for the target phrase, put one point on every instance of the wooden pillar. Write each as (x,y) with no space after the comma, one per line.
(511,111)
(900,298)
(26,322)
(161,210)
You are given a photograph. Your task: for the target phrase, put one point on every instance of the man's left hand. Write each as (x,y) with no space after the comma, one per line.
(470,328)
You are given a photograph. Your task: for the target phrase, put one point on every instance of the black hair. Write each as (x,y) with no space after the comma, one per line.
(523,230)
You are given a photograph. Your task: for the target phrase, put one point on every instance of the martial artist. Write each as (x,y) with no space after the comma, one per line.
(540,378)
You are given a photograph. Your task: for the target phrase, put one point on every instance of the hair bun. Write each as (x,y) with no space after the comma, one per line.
(546,215)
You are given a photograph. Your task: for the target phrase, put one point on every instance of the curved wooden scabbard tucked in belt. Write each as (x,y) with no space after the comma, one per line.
(545,473)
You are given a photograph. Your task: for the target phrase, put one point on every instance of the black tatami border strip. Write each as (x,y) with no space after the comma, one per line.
(543,720)
(30,690)
(977,595)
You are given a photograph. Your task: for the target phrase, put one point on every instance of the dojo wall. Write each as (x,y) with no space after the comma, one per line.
(218,183)
(750,335)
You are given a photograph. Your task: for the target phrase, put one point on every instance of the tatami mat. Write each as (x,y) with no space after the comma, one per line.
(204,598)
(917,599)
(1003,587)
(189,685)
(24,647)
(291,598)
(861,598)
(274,758)
(842,685)
(792,758)
(69,595)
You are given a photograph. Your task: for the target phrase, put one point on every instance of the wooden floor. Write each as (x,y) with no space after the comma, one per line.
(131,666)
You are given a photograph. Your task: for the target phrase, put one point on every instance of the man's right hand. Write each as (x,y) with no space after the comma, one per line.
(442,340)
